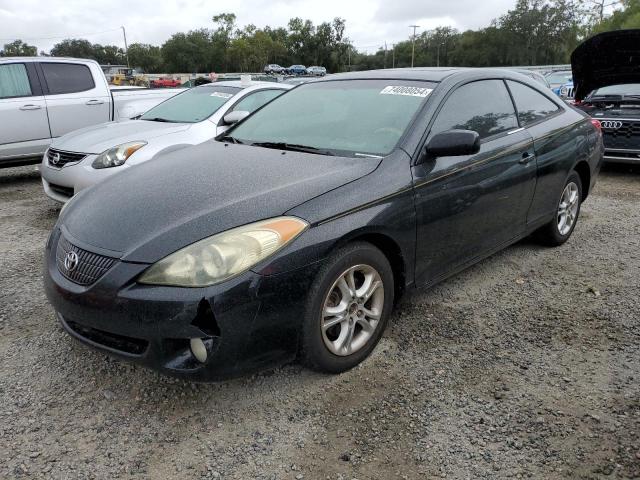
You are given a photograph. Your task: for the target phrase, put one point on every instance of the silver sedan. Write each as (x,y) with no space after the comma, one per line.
(89,155)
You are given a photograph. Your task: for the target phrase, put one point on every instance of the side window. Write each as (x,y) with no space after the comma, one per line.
(67,78)
(255,100)
(532,106)
(14,81)
(483,106)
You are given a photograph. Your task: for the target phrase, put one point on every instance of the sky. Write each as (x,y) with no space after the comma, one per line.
(369,23)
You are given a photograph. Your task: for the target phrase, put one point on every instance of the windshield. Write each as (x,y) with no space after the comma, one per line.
(346,117)
(626,89)
(559,77)
(194,105)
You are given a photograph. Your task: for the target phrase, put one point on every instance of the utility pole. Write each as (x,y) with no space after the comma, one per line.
(126,48)
(413,42)
(385,54)
(438,56)
(393,55)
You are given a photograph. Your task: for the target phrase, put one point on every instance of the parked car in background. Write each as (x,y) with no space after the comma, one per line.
(558,78)
(565,91)
(292,235)
(165,82)
(85,157)
(45,97)
(297,70)
(316,71)
(607,87)
(274,68)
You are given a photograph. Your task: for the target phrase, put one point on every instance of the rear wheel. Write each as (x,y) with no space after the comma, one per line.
(558,230)
(347,310)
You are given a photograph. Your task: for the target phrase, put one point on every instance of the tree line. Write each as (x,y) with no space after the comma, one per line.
(534,32)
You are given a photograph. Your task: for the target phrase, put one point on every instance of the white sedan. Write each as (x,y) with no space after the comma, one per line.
(89,155)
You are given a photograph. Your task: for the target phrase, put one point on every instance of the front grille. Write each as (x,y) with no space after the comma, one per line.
(60,190)
(626,137)
(60,158)
(130,345)
(83,268)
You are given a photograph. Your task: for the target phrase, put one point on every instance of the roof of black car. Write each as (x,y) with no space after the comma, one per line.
(431,74)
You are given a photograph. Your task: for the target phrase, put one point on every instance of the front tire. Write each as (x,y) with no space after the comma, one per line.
(558,230)
(347,309)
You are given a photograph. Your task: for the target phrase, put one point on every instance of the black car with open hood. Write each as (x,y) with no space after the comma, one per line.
(606,75)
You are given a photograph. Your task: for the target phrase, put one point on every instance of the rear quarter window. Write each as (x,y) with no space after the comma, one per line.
(532,106)
(64,78)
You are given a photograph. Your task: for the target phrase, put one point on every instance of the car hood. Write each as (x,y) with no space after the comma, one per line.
(609,58)
(98,138)
(158,207)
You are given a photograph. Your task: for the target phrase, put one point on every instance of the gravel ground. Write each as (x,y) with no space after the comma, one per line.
(524,366)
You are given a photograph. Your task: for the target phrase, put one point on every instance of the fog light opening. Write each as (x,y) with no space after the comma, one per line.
(198,349)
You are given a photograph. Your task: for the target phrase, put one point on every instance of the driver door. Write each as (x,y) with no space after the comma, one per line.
(469,206)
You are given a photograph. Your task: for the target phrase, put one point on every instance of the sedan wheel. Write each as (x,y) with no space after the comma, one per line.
(347,309)
(568,208)
(560,228)
(352,310)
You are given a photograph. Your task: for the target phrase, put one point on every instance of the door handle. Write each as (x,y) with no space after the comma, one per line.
(526,158)
(30,106)
(94,102)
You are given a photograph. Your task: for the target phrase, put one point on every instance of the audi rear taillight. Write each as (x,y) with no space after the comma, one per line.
(597,124)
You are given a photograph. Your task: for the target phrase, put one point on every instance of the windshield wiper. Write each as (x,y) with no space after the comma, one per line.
(293,147)
(158,119)
(229,138)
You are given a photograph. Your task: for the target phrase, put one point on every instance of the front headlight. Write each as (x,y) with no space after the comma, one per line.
(116,156)
(225,255)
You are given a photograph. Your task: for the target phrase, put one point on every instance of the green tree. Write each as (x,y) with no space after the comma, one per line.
(628,16)
(18,48)
(148,57)
(74,47)
(189,52)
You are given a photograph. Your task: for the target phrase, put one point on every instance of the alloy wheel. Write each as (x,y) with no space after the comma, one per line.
(568,208)
(352,310)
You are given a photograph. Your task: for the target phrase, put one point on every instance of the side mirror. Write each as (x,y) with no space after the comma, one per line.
(234,117)
(453,143)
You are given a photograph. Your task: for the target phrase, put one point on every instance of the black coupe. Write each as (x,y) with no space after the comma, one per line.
(293,235)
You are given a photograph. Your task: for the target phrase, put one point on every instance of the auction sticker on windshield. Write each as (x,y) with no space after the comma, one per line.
(403,90)
(222,95)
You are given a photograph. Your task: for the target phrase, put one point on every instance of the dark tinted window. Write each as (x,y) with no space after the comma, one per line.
(532,106)
(67,78)
(14,81)
(483,106)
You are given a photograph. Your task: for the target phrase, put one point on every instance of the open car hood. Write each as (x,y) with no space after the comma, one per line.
(609,58)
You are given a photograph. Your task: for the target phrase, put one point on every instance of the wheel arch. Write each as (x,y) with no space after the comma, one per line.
(390,248)
(584,172)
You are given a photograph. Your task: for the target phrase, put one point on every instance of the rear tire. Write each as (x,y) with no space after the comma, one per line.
(347,309)
(560,228)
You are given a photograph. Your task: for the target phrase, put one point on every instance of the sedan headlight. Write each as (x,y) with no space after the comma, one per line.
(225,255)
(116,156)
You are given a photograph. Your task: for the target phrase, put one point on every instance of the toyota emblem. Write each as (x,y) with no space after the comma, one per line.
(71,261)
(611,124)
(55,159)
